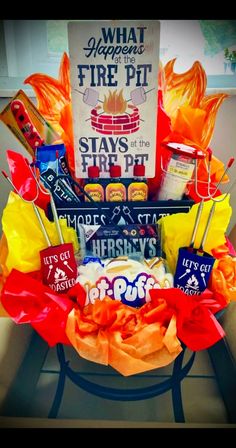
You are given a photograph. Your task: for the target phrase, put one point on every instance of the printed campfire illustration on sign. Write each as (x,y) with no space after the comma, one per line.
(115,116)
(115,120)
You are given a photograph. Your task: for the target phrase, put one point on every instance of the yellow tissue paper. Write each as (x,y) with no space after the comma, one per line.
(24,235)
(176,230)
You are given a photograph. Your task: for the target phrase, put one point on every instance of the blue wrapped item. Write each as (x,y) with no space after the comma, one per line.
(53,157)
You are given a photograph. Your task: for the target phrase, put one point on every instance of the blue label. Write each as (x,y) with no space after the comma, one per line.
(193,271)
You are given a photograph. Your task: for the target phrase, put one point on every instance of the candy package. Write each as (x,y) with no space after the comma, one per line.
(137,241)
(51,161)
(60,188)
(123,279)
(53,157)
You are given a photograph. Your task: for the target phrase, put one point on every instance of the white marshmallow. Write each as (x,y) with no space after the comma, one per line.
(90,97)
(138,96)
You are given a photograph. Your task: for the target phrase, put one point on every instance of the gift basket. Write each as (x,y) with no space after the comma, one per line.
(127,270)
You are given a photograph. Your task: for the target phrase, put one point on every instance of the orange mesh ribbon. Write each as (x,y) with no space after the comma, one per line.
(223,278)
(130,340)
(136,340)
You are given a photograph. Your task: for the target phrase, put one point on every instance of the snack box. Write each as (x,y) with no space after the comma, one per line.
(121,213)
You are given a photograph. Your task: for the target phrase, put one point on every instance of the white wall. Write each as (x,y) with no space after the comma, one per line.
(223,145)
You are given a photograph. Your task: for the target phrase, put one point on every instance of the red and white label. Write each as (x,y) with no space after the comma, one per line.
(59,268)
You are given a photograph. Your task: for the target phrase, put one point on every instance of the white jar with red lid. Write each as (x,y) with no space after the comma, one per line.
(179,170)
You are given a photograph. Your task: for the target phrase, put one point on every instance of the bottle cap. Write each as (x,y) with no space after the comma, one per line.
(139,170)
(185,150)
(93,171)
(115,171)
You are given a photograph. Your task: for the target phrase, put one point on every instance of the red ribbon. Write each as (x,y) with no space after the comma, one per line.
(197,327)
(27,300)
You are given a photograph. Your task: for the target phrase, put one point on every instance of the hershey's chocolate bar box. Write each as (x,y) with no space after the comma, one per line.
(133,240)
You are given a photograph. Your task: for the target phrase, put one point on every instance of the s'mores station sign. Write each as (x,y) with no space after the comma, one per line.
(114,73)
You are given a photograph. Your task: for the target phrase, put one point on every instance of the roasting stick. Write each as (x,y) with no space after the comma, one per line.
(137,96)
(52,203)
(205,233)
(201,204)
(56,219)
(56,254)
(229,164)
(212,210)
(210,216)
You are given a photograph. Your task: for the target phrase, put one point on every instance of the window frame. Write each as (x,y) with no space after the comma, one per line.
(15,33)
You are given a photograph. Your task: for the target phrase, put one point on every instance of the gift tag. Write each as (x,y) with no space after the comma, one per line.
(193,271)
(58,267)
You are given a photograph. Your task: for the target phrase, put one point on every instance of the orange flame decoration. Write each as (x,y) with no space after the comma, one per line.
(192,113)
(115,104)
(54,103)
